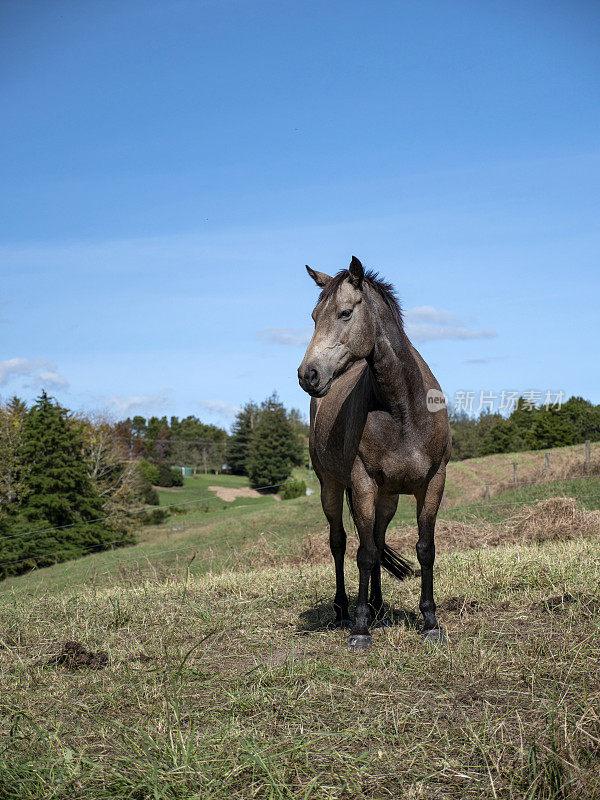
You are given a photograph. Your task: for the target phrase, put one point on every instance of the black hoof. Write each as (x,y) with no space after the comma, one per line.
(359,641)
(435,636)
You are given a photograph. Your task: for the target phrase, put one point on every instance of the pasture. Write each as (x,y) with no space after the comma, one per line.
(225,679)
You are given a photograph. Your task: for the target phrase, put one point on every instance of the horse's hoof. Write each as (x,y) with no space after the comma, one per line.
(435,636)
(359,641)
(344,623)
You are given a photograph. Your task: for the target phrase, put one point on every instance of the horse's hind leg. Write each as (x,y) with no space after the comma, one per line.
(384,512)
(332,500)
(427,509)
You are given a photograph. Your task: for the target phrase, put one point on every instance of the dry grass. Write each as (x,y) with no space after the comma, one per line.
(466,480)
(233,686)
(551,519)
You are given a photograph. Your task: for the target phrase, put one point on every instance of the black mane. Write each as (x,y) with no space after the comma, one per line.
(384,289)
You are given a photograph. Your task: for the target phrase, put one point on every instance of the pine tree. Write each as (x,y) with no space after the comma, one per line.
(273,447)
(57,492)
(12,416)
(241,436)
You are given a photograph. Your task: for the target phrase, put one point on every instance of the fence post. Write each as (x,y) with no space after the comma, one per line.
(487,491)
(588,456)
(515,478)
(547,466)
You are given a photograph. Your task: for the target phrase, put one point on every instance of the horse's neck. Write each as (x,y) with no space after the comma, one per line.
(396,373)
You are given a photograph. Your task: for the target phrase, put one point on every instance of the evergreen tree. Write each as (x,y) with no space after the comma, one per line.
(57,492)
(12,416)
(241,436)
(273,447)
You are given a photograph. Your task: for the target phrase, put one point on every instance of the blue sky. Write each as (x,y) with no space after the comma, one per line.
(169,167)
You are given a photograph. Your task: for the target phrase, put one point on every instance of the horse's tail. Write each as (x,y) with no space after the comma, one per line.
(391,560)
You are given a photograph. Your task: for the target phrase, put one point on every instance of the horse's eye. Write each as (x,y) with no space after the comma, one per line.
(346,314)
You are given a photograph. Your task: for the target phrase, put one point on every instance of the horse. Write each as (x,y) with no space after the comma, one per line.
(378,428)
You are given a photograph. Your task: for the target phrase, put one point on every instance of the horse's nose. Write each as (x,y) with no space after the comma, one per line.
(310,378)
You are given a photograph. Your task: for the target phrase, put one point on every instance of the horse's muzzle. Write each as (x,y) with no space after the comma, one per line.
(310,381)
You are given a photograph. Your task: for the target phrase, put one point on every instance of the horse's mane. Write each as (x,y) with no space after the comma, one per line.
(384,289)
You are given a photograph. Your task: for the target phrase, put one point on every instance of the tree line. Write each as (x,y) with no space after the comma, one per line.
(528,427)
(62,474)
(67,472)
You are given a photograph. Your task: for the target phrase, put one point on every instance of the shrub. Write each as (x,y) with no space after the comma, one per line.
(149,472)
(293,489)
(165,476)
(177,476)
(153,516)
(149,495)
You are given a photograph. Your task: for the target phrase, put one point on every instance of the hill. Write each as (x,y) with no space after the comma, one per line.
(249,531)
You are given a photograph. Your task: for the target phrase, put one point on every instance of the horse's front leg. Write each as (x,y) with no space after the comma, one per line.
(384,512)
(367,558)
(332,500)
(427,509)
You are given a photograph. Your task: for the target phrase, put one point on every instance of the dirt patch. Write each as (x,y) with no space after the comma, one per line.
(460,605)
(75,656)
(229,494)
(590,606)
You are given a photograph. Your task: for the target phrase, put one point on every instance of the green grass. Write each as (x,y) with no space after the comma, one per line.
(218,540)
(231,686)
(196,491)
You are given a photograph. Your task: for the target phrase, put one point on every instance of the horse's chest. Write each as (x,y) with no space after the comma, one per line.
(392,457)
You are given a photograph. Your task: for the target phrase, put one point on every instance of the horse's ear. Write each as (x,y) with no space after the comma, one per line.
(357,272)
(320,278)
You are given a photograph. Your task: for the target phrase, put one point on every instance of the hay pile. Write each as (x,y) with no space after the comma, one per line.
(556,518)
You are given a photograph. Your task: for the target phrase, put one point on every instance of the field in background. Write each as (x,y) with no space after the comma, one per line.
(256,531)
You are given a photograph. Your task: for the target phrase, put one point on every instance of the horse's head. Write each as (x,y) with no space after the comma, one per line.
(344,329)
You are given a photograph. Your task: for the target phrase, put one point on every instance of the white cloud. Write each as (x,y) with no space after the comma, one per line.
(50,377)
(220,408)
(296,337)
(423,324)
(431,316)
(42,372)
(126,405)
(429,324)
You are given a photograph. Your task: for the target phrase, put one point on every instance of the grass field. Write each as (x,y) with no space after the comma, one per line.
(224,678)
(232,685)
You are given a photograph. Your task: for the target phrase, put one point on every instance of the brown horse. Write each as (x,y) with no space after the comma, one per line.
(378,428)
